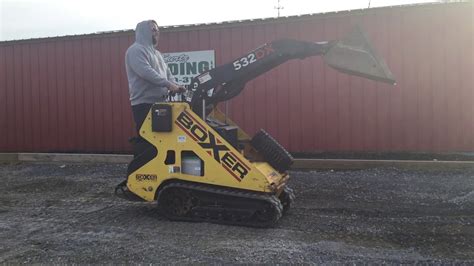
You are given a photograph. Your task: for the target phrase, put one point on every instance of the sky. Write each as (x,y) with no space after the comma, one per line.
(25,19)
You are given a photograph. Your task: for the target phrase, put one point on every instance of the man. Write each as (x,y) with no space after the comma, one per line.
(149,78)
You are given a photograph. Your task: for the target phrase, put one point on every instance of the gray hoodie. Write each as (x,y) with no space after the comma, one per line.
(148,75)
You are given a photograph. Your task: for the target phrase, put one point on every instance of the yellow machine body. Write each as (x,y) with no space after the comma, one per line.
(223,165)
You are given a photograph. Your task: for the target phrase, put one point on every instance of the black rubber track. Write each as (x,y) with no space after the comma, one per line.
(193,202)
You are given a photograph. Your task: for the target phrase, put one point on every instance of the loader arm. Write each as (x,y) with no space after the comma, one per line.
(352,55)
(227,81)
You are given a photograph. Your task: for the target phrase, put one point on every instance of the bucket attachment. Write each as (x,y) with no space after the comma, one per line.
(355,56)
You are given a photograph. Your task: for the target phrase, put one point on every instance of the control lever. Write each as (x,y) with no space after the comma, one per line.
(178,96)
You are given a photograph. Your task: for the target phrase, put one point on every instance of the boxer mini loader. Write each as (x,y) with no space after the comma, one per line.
(200,166)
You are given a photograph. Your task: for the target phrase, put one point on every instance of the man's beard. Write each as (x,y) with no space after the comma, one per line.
(154,40)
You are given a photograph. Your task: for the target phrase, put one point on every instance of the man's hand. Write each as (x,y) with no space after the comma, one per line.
(174,88)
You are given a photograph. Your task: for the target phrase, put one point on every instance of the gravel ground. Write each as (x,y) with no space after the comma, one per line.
(52,213)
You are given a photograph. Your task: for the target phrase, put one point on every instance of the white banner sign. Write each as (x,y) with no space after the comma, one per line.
(186,65)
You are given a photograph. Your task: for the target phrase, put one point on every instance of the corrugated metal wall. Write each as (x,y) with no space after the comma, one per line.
(70,94)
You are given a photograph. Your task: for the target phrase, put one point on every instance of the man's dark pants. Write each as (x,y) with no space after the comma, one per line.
(140,112)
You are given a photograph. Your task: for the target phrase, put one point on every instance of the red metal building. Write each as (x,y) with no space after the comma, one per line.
(70,94)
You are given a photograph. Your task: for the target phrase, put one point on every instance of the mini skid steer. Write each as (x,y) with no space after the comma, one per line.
(200,166)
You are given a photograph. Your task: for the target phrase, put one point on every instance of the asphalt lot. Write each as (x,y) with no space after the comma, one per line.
(66,213)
